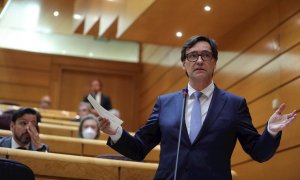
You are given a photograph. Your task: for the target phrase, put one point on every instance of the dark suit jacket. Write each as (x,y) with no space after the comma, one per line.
(228,119)
(6,142)
(105,101)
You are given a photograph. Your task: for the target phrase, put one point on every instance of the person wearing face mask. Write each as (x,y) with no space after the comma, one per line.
(89,127)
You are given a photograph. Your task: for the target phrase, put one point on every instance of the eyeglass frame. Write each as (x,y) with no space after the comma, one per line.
(199,54)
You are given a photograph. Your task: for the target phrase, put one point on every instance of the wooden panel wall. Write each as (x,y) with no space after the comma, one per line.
(26,77)
(260,60)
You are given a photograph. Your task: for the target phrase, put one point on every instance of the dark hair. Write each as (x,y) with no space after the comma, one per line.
(22,111)
(193,40)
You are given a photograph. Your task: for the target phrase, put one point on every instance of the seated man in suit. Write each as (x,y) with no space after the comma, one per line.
(211,119)
(25,135)
(95,90)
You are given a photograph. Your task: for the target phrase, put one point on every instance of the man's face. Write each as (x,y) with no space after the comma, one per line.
(83,111)
(19,128)
(95,86)
(200,70)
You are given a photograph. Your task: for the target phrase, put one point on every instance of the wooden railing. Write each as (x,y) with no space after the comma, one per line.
(82,147)
(60,166)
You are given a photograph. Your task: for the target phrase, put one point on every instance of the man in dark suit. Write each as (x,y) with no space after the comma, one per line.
(25,135)
(95,90)
(213,120)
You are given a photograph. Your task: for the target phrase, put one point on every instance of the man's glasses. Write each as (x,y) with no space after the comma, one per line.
(194,56)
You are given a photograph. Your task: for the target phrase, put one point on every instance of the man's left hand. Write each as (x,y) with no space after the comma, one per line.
(35,138)
(279,121)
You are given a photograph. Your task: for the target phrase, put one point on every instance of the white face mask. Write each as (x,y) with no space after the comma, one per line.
(89,133)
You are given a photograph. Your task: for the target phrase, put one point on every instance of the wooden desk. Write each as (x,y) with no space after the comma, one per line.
(83,147)
(60,130)
(60,122)
(46,113)
(58,166)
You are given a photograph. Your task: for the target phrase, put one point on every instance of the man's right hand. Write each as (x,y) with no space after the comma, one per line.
(105,126)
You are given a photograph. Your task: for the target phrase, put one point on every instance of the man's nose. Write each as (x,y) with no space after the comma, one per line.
(199,59)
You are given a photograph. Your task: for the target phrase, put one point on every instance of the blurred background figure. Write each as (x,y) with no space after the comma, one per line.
(96,92)
(45,102)
(84,109)
(89,127)
(115,112)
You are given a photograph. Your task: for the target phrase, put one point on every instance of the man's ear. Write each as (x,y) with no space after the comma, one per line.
(12,125)
(183,65)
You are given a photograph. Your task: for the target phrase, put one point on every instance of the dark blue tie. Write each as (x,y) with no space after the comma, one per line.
(196,118)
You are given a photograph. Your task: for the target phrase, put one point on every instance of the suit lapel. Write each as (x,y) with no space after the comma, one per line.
(216,105)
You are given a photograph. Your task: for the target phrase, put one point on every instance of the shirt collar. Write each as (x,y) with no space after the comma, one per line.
(208,91)
(15,145)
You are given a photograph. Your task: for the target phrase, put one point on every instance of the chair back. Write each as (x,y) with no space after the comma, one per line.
(10,169)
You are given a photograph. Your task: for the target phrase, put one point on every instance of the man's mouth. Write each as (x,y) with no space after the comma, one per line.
(199,69)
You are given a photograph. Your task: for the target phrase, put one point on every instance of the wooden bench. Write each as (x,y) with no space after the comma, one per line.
(59,166)
(82,147)
(57,114)
(46,113)
(60,122)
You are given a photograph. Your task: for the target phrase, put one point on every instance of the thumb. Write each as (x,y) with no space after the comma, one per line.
(280,109)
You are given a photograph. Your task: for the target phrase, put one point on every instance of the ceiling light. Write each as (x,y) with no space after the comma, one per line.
(179,34)
(207,8)
(55,13)
(77,16)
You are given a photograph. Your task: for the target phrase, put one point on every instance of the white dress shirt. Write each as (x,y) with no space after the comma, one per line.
(205,100)
(98,97)
(15,145)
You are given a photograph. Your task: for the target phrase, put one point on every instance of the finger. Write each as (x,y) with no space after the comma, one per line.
(283,125)
(104,125)
(292,113)
(280,109)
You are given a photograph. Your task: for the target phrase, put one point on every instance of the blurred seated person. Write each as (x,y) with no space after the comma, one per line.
(25,131)
(84,109)
(5,119)
(45,102)
(115,112)
(96,92)
(89,127)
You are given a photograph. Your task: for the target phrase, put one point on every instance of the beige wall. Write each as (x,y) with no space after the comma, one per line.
(260,60)
(26,77)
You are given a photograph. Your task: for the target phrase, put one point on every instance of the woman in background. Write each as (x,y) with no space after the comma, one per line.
(89,127)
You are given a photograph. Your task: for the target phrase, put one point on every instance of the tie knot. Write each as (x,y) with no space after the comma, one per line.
(197,94)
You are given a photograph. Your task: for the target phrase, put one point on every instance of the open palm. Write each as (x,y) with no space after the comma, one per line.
(279,121)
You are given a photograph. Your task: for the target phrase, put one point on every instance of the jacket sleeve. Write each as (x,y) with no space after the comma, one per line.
(146,138)
(260,147)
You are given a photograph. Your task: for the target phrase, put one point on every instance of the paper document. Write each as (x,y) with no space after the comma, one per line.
(114,121)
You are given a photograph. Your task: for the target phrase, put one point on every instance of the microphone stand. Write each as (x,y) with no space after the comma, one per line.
(185,93)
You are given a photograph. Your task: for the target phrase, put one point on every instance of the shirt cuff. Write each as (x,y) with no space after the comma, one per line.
(270,131)
(115,138)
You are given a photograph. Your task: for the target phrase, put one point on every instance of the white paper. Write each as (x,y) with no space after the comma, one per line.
(114,121)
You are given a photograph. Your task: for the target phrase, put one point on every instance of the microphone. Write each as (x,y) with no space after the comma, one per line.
(184,93)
